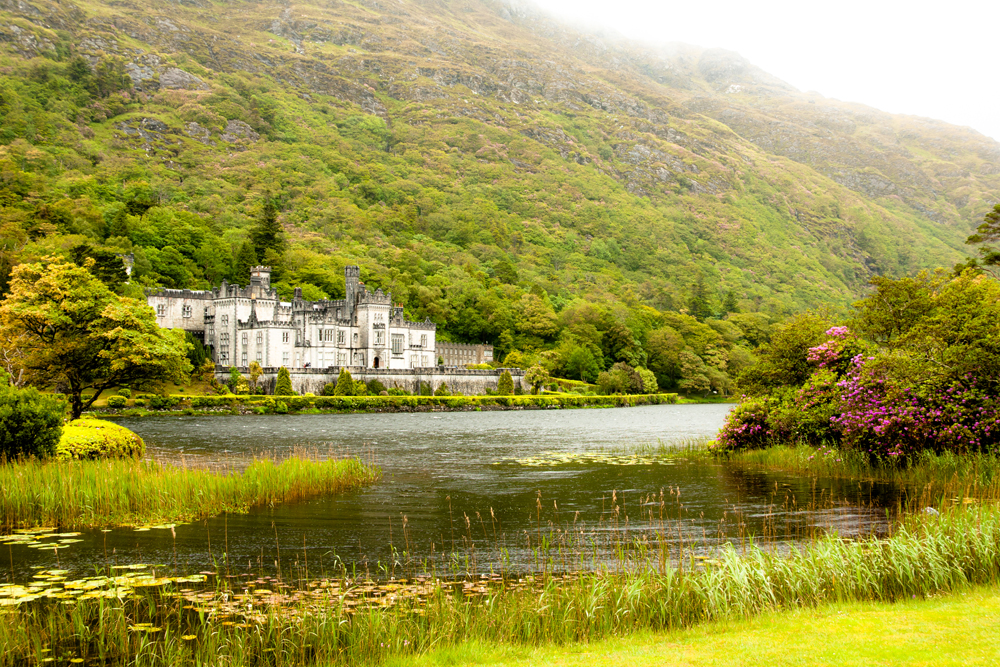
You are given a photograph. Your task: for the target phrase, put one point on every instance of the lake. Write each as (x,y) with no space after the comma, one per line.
(474,490)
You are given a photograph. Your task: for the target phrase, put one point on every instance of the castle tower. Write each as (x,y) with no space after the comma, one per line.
(352,276)
(263,276)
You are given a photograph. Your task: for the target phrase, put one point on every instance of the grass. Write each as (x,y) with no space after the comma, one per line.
(929,476)
(953,630)
(329,623)
(122,492)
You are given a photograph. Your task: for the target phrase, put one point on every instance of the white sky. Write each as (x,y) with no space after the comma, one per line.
(938,60)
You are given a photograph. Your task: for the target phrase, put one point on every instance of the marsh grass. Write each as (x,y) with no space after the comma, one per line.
(122,492)
(925,555)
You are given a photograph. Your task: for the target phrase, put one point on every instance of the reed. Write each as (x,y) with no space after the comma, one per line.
(930,475)
(925,555)
(123,492)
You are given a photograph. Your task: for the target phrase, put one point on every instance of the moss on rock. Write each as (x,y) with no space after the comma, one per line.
(96,438)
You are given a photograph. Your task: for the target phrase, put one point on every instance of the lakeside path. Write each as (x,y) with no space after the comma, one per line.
(958,629)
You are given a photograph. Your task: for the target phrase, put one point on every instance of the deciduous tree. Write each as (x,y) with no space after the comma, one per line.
(80,335)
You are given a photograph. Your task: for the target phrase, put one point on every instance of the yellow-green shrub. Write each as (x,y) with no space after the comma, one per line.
(96,438)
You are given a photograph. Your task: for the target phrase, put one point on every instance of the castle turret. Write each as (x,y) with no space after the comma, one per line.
(352,278)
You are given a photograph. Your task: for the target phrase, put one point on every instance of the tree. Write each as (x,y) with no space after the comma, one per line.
(106,267)
(255,371)
(536,376)
(505,386)
(267,235)
(700,307)
(581,365)
(283,385)
(345,384)
(245,261)
(649,384)
(78,334)
(30,421)
(234,377)
(694,373)
(986,235)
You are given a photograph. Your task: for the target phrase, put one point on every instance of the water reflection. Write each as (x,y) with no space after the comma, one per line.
(448,497)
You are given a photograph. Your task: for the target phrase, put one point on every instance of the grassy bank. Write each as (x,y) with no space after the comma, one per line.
(946,631)
(120,492)
(233,404)
(928,475)
(329,622)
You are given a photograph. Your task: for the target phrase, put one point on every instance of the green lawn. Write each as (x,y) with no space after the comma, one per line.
(960,629)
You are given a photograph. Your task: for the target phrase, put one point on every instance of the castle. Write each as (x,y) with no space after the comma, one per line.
(245,324)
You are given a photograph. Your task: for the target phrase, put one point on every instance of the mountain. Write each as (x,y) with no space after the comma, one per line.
(468,155)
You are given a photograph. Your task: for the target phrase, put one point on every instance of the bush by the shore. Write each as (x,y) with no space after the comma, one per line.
(95,439)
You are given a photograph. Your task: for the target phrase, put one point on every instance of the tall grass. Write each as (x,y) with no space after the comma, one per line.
(930,474)
(119,492)
(925,555)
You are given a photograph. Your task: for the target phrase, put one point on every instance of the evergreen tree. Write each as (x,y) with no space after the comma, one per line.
(345,384)
(106,267)
(283,385)
(246,259)
(267,234)
(729,305)
(699,306)
(505,387)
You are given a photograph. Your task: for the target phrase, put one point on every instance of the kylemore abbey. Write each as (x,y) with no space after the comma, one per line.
(364,332)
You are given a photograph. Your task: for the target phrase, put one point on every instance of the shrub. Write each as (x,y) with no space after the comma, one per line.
(283,385)
(95,438)
(30,422)
(375,388)
(126,392)
(345,384)
(746,426)
(649,384)
(442,390)
(117,401)
(396,391)
(505,387)
(162,402)
(425,389)
(330,389)
(360,388)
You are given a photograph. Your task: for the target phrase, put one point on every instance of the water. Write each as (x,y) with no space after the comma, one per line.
(442,468)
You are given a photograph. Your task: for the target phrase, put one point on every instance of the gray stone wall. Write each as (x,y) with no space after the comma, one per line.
(312,380)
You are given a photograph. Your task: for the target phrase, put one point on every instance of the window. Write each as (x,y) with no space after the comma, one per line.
(225,320)
(328,335)
(355,339)
(319,335)
(343,359)
(161,310)
(185,311)
(320,359)
(224,354)
(260,356)
(423,340)
(243,358)
(245,339)
(260,337)
(284,339)
(397,343)
(340,337)
(380,338)
(284,359)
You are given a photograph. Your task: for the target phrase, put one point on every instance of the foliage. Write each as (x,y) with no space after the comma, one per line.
(30,422)
(505,386)
(649,385)
(77,333)
(345,384)
(536,376)
(254,371)
(375,388)
(926,380)
(986,236)
(125,392)
(442,390)
(96,439)
(283,384)
(117,401)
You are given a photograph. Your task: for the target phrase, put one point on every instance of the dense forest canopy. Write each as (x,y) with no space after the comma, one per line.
(574,199)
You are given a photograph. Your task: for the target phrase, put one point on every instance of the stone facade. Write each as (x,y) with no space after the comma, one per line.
(462,354)
(244,324)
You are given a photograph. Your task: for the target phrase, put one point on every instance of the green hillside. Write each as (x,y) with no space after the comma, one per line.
(515,181)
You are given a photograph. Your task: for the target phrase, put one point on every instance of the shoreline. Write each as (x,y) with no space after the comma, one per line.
(181,405)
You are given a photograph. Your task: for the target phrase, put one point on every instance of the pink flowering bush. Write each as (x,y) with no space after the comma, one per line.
(886,420)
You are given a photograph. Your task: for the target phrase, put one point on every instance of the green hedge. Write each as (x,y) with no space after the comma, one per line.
(282,404)
(94,438)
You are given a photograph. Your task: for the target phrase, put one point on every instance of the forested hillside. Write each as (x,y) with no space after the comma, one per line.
(516,181)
